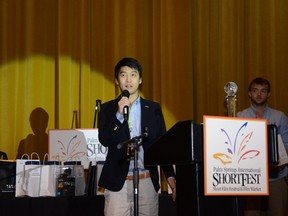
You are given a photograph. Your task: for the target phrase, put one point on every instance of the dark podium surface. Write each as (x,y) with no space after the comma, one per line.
(68,206)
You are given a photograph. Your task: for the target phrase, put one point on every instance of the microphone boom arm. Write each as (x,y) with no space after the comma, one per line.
(134,140)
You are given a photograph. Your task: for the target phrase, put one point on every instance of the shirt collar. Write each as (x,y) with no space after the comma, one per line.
(254,109)
(137,101)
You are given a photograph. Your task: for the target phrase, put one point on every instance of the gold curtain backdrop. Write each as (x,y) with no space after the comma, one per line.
(60,56)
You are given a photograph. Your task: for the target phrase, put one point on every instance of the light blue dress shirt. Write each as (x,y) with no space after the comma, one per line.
(275,117)
(134,122)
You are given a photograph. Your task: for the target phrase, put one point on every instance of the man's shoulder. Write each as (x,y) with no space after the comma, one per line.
(245,113)
(110,102)
(149,102)
(276,111)
(250,112)
(110,106)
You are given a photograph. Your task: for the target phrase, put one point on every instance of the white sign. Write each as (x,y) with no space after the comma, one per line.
(235,156)
(75,145)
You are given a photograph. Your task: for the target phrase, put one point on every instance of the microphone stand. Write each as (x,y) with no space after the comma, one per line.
(231,101)
(136,180)
(92,174)
(97,110)
(135,144)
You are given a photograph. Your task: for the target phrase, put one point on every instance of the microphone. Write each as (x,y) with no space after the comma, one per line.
(98,105)
(126,93)
(97,110)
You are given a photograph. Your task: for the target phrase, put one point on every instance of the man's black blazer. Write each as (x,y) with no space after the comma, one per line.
(112,132)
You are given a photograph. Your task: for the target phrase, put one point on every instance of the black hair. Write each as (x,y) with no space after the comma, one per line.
(130,62)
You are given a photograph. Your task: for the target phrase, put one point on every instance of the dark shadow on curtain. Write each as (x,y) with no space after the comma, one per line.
(38,141)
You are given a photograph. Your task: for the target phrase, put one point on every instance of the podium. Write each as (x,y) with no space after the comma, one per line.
(182,146)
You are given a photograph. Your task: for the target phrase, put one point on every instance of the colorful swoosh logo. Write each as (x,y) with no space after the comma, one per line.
(239,149)
(70,151)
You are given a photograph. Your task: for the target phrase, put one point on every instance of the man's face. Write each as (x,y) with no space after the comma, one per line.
(129,79)
(259,94)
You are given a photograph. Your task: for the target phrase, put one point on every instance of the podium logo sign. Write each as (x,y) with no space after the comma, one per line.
(75,145)
(235,156)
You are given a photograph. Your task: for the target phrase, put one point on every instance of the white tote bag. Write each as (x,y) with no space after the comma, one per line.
(50,171)
(27,176)
(32,173)
(20,179)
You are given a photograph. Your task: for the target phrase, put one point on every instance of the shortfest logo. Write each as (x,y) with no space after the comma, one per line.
(69,151)
(239,148)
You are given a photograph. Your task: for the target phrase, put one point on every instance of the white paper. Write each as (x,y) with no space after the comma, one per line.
(283,158)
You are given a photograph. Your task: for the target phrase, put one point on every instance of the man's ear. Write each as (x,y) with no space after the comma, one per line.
(249,94)
(269,93)
(140,81)
(116,81)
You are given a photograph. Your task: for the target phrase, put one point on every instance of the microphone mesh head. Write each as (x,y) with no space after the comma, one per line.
(125,93)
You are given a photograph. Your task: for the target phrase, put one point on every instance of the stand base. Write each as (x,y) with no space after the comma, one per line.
(190,195)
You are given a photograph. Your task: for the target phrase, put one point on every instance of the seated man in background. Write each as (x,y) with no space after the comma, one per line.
(276,204)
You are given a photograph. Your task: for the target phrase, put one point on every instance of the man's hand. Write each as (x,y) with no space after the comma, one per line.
(172,184)
(124,101)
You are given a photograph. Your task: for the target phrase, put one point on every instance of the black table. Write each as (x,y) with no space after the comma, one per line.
(68,206)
